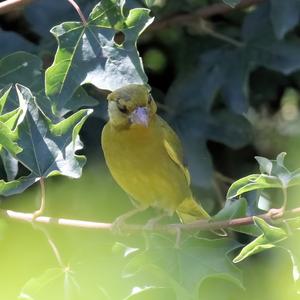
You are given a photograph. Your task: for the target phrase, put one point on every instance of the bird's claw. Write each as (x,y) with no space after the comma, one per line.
(117,225)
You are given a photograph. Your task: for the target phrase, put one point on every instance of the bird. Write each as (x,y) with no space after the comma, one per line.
(145,156)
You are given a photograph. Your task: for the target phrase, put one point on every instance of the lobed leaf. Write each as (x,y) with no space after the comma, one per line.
(285,15)
(268,239)
(89,53)
(252,182)
(183,269)
(48,148)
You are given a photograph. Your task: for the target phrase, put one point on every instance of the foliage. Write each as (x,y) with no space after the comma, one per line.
(221,82)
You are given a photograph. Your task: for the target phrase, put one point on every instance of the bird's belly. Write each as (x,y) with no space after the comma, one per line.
(142,167)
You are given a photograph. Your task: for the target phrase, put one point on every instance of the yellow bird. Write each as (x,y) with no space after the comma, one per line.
(145,156)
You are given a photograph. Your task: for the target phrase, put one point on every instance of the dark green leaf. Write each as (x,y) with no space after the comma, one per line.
(185,268)
(285,15)
(89,54)
(236,209)
(12,41)
(48,148)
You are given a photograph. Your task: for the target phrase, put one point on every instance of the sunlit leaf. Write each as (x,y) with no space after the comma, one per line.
(274,175)
(48,148)
(149,293)
(252,182)
(89,53)
(268,239)
(35,286)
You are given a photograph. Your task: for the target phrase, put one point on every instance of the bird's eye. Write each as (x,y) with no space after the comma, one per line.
(122,108)
(150,98)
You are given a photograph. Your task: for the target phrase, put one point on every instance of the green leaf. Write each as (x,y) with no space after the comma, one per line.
(196,127)
(236,209)
(183,269)
(7,139)
(89,54)
(275,168)
(252,182)
(232,3)
(285,15)
(23,68)
(60,281)
(149,293)
(48,148)
(7,124)
(268,239)
(34,287)
(274,175)
(12,41)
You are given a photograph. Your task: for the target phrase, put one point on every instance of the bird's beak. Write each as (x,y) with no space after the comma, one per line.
(140,116)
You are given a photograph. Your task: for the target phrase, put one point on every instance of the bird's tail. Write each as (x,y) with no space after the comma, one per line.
(190,211)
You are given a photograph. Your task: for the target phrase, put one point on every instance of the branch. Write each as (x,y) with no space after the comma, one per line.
(201,225)
(12,5)
(204,12)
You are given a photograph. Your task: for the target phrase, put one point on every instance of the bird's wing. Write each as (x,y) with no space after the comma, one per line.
(174,148)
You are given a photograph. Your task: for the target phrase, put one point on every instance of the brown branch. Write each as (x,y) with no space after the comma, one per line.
(204,12)
(12,5)
(201,225)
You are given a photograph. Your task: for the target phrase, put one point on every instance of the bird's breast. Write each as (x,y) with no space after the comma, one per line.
(140,164)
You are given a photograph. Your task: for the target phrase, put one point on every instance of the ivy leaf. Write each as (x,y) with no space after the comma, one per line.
(48,148)
(7,123)
(23,68)
(268,239)
(89,54)
(275,168)
(149,292)
(274,175)
(35,286)
(197,127)
(285,15)
(183,269)
(236,209)
(51,279)
(19,43)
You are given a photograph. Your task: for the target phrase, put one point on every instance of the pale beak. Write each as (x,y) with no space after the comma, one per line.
(140,116)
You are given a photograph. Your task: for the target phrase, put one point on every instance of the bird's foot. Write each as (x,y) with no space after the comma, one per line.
(117,225)
(152,223)
(276,212)
(120,221)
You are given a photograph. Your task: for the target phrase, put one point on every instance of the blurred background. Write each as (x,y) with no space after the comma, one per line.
(228,83)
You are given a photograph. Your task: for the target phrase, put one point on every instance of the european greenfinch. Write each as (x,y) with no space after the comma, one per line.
(145,156)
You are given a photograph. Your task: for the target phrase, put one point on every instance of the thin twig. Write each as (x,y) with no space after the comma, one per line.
(201,225)
(40,211)
(204,12)
(12,5)
(80,13)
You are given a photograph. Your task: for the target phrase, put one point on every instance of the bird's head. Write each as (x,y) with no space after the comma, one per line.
(131,105)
